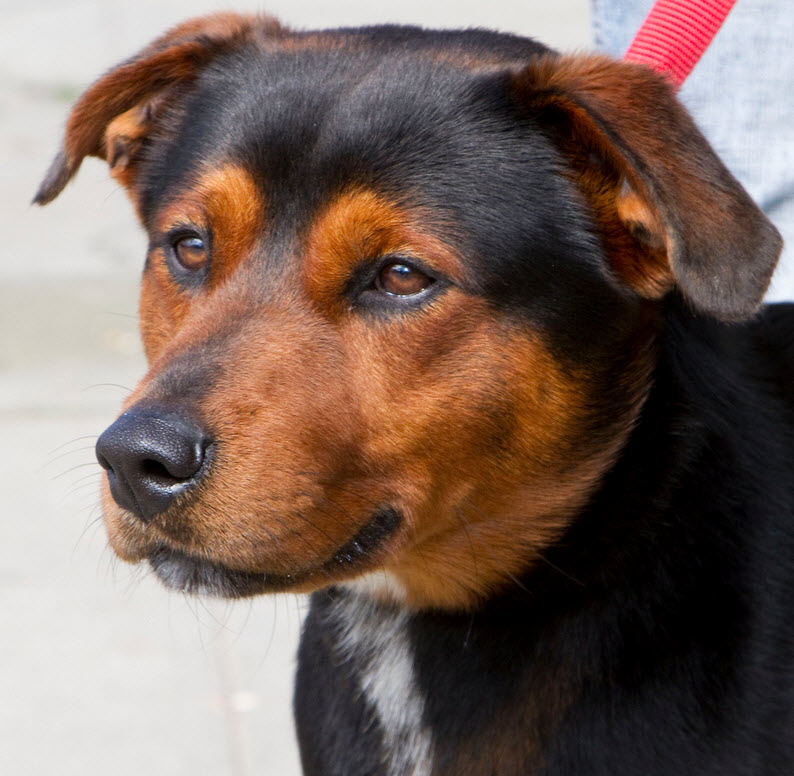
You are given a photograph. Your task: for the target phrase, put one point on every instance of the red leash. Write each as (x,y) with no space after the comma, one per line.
(675,34)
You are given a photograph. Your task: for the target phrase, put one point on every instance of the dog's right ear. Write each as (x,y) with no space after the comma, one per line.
(113,117)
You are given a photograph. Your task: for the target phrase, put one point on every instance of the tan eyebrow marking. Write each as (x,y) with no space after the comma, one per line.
(361,224)
(227,201)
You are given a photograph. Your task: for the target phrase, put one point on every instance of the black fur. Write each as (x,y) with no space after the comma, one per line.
(656,636)
(664,614)
(662,619)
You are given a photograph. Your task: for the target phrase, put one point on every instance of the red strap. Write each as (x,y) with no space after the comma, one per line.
(675,34)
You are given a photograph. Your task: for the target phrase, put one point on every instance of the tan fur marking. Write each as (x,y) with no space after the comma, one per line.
(122,141)
(224,201)
(455,415)
(236,209)
(362,226)
(489,474)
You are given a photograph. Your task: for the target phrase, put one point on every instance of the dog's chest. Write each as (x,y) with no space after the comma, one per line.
(374,640)
(385,692)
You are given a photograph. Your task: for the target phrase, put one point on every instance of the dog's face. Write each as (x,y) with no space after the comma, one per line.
(400,298)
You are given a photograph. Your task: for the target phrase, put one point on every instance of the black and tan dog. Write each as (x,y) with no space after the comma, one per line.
(462,334)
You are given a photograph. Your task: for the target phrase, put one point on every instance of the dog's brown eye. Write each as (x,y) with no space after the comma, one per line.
(402,280)
(191,253)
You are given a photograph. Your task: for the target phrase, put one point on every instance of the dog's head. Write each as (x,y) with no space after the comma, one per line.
(400,297)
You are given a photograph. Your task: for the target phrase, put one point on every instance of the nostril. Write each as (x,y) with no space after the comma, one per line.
(151,456)
(157,471)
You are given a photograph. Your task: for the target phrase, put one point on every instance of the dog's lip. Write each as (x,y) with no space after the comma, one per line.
(188,573)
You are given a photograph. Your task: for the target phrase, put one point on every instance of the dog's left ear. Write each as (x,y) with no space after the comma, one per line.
(116,114)
(654,181)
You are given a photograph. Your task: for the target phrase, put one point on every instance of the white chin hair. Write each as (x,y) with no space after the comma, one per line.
(380,585)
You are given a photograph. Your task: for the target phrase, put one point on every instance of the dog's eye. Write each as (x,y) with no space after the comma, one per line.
(401,279)
(191,253)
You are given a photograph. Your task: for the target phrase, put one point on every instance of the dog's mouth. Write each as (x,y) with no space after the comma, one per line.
(187,573)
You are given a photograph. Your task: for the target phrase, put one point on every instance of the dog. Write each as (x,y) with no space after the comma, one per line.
(463,336)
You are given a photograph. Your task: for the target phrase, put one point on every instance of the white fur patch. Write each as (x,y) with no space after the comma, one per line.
(373,636)
(380,585)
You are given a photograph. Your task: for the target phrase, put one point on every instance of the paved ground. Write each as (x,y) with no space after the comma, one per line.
(101,671)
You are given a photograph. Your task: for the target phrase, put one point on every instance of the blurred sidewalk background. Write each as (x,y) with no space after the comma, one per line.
(101,671)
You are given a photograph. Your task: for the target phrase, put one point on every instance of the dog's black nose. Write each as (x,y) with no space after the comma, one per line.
(151,456)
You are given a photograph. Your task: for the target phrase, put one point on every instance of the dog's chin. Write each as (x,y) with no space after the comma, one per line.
(187,573)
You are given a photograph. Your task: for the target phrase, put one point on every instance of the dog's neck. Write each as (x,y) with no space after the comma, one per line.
(373,638)
(418,672)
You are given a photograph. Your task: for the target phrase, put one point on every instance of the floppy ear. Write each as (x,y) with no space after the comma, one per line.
(115,115)
(669,210)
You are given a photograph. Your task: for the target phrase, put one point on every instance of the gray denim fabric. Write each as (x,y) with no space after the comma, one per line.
(741,94)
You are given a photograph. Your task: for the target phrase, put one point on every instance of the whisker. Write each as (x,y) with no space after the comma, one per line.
(90,506)
(324,512)
(313,525)
(517,582)
(73,468)
(311,547)
(80,483)
(191,602)
(72,441)
(246,619)
(91,524)
(273,624)
(220,620)
(347,514)
(464,523)
(542,557)
(82,488)
(64,455)
(108,385)
(272,536)
(468,631)
(118,315)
